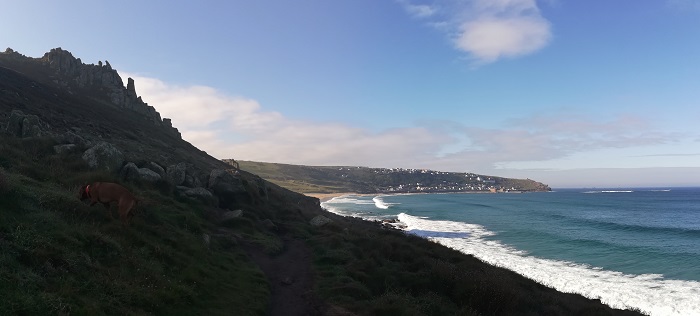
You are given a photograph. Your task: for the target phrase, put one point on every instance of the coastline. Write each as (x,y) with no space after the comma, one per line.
(325,197)
(538,270)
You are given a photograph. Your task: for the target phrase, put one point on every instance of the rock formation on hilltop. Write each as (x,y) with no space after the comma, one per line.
(71,74)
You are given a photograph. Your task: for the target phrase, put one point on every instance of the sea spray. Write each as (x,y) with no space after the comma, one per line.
(379,203)
(650,292)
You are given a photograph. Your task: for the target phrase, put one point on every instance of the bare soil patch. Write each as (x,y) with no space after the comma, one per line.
(290,277)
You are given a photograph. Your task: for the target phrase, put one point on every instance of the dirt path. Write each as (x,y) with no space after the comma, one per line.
(290,278)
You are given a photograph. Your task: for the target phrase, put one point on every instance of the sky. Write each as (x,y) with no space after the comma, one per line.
(595,93)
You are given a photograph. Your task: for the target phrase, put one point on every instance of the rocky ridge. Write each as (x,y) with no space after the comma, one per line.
(222,187)
(102,132)
(71,74)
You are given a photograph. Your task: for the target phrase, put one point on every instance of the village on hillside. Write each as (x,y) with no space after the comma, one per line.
(432,181)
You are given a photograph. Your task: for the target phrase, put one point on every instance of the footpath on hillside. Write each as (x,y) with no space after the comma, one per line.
(290,277)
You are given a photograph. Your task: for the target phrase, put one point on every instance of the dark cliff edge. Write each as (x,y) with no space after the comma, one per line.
(207,239)
(99,82)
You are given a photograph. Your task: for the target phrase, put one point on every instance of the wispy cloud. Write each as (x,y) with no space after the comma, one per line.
(548,137)
(488,30)
(418,10)
(684,4)
(240,128)
(670,155)
(237,127)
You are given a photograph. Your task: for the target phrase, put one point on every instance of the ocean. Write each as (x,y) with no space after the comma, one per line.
(635,248)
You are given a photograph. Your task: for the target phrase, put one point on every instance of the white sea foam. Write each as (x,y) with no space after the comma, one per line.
(351,199)
(380,203)
(335,205)
(330,205)
(610,191)
(650,293)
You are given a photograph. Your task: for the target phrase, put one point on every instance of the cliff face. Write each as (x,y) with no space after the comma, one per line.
(100,81)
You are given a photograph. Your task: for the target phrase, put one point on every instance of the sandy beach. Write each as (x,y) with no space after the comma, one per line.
(327,196)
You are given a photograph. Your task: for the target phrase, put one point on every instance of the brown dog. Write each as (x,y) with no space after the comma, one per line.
(107,192)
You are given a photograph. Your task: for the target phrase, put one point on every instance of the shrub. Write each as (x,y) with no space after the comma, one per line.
(4,186)
(38,146)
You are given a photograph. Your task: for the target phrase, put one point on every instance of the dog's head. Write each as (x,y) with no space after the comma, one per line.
(83,193)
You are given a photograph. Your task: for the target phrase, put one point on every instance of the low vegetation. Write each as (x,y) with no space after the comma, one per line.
(60,256)
(326,179)
(386,272)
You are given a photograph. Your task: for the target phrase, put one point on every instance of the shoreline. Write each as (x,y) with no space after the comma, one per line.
(325,197)
(565,269)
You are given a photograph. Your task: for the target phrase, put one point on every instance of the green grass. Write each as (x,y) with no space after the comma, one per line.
(60,256)
(317,179)
(371,271)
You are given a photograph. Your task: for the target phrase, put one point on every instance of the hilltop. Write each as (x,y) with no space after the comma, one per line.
(343,179)
(206,239)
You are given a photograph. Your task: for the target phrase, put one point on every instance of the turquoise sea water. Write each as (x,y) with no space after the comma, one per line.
(629,247)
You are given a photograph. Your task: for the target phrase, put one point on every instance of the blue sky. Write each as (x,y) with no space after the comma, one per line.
(571,93)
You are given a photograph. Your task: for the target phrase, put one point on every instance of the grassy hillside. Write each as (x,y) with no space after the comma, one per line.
(58,255)
(341,179)
(62,256)
(180,256)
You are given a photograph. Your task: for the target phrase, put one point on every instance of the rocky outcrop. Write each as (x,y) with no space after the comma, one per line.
(228,188)
(31,126)
(21,125)
(72,138)
(148,175)
(156,168)
(74,72)
(200,194)
(228,215)
(176,173)
(129,172)
(104,156)
(192,177)
(65,148)
(168,124)
(183,174)
(133,173)
(262,188)
(71,73)
(320,220)
(197,192)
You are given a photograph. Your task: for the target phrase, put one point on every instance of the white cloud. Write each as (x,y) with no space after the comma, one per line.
(548,138)
(489,30)
(240,128)
(419,10)
(489,39)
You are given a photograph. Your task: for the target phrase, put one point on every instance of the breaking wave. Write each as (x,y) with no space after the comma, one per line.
(650,293)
